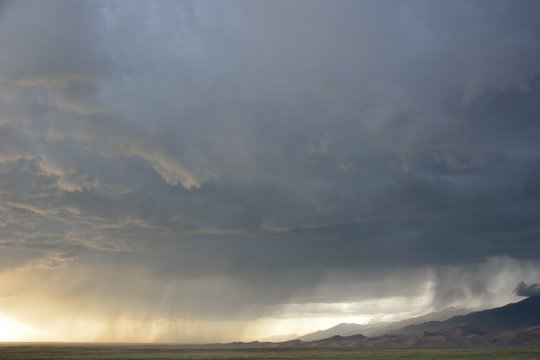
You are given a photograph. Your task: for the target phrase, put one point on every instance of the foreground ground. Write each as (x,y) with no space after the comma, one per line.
(87,352)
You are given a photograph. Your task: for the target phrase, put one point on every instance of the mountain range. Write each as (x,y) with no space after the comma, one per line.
(515,324)
(377,329)
(513,316)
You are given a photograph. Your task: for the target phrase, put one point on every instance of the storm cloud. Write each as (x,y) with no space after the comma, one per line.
(527,290)
(204,163)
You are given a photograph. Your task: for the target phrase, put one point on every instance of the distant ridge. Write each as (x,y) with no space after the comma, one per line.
(516,324)
(343,329)
(348,329)
(458,336)
(525,313)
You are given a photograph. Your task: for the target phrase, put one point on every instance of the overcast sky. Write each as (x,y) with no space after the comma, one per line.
(225,170)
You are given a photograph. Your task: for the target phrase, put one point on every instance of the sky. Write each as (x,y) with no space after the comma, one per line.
(177,171)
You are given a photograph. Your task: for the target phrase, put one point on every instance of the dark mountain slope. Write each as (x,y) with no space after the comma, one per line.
(525,313)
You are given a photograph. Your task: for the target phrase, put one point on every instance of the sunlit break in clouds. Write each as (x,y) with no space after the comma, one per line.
(177,171)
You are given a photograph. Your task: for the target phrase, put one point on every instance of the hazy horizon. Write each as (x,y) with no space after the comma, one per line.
(215,171)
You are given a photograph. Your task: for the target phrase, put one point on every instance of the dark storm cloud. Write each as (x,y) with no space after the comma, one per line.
(232,145)
(527,290)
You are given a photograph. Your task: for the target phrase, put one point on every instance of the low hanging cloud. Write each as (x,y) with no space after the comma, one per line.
(523,289)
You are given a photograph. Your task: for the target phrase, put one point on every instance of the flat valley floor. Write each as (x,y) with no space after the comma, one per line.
(105,352)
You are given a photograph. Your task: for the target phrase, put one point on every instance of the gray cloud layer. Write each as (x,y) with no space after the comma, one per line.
(251,151)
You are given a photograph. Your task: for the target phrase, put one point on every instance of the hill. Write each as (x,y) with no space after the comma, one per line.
(376,329)
(516,324)
(525,313)
(458,336)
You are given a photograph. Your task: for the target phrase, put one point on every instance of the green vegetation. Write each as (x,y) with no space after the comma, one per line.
(34,352)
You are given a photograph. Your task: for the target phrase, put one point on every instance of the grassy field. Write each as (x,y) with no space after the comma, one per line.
(87,352)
